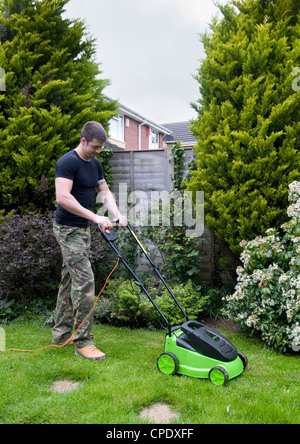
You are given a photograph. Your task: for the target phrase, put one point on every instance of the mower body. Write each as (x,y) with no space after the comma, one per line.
(193,349)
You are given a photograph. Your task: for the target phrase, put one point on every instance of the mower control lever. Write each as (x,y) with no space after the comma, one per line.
(108,235)
(106,230)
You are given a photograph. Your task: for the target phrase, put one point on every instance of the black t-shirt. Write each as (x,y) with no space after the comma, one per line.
(85,176)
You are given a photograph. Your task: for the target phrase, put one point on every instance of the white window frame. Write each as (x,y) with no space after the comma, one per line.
(118,132)
(153,145)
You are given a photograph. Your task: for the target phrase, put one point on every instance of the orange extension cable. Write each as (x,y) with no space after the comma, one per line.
(70,339)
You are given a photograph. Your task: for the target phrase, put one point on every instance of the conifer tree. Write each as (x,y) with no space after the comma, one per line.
(52,89)
(248,125)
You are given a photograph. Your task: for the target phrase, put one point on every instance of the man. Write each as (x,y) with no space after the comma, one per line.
(78,173)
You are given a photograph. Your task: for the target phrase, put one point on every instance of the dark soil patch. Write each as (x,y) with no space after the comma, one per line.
(221,322)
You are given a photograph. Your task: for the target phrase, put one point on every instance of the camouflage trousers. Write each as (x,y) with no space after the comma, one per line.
(77,288)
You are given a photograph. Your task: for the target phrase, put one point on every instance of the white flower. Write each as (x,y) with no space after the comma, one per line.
(252,321)
(274,267)
(294,192)
(283,278)
(238,295)
(239,270)
(285,226)
(294,210)
(259,240)
(241,316)
(290,313)
(271,231)
(245,257)
(278,247)
(268,303)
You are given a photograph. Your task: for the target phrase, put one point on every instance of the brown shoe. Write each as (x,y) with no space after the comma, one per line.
(90,352)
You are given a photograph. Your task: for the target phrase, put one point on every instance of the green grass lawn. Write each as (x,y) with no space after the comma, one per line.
(116,390)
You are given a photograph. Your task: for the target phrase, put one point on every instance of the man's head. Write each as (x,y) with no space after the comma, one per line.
(93,130)
(93,137)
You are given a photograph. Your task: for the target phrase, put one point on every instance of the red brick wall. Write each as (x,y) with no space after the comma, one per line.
(131,135)
(144,137)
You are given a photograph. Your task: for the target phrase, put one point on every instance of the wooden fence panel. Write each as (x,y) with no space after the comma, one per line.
(152,170)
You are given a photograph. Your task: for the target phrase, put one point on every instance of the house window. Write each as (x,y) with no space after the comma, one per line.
(116,128)
(153,140)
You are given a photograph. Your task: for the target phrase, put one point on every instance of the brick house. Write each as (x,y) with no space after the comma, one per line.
(131,131)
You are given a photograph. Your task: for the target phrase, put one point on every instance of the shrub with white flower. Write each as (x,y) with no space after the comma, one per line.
(266,300)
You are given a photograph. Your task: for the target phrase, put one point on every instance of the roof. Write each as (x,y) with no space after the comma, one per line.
(181,132)
(124,110)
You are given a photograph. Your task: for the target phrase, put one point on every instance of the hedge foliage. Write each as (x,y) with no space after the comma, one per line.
(53,87)
(30,263)
(124,304)
(248,125)
(266,301)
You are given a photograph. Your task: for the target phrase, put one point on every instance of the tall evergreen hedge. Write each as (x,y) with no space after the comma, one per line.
(248,125)
(52,88)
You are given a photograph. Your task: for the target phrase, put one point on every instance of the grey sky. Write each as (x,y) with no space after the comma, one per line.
(149,50)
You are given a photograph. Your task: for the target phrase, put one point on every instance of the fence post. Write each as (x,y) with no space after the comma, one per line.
(169,168)
(131,170)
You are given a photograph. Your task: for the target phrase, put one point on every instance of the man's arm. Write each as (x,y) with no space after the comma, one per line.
(64,198)
(108,201)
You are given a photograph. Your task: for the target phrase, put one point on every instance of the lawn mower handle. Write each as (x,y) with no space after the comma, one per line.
(161,277)
(110,236)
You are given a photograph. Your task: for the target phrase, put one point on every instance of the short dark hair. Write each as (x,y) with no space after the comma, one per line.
(93,130)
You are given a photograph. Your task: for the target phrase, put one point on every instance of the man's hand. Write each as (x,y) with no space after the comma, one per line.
(121,220)
(103,221)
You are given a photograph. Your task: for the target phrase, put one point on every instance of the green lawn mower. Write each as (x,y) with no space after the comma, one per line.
(191,349)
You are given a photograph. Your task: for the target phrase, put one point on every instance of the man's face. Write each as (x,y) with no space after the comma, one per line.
(92,148)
